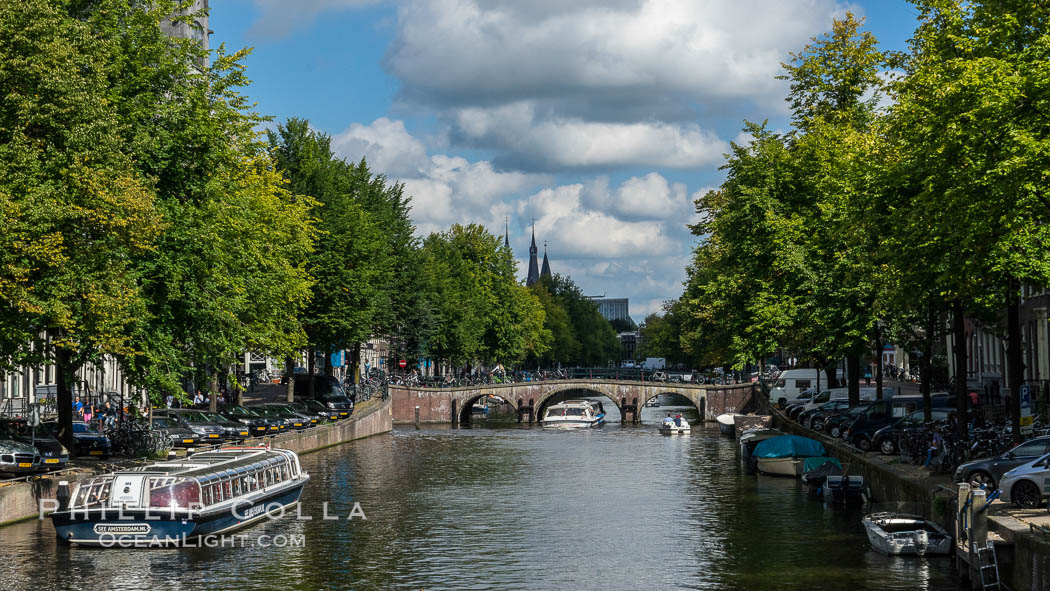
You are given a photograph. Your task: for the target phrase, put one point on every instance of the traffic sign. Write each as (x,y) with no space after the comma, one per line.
(403,364)
(1025,396)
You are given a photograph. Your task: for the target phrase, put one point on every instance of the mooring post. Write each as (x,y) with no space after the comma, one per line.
(634,415)
(417,417)
(980,519)
(521,406)
(623,410)
(455,415)
(963,494)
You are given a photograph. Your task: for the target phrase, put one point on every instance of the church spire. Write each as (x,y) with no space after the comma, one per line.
(534,267)
(546,270)
(506,232)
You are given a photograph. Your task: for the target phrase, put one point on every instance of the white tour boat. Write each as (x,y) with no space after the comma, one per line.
(574,414)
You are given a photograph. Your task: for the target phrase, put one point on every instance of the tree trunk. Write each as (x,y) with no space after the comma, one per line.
(853,369)
(878,362)
(1014,356)
(959,350)
(64,396)
(289,369)
(213,390)
(926,363)
(355,363)
(310,374)
(329,369)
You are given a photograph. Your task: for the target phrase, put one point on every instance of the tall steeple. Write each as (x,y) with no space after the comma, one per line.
(506,232)
(534,268)
(546,270)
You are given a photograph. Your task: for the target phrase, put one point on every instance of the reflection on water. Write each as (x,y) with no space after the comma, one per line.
(620,507)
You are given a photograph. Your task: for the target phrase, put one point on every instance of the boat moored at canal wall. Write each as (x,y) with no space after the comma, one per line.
(174,502)
(26,500)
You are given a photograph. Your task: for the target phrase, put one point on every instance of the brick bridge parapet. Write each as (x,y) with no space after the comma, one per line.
(448,405)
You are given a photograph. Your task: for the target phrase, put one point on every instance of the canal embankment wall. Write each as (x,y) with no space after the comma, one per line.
(21,500)
(1024,561)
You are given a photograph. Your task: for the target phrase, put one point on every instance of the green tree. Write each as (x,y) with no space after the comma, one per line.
(972,115)
(76,211)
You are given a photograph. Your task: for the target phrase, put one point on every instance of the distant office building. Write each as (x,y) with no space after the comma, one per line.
(612,308)
(628,345)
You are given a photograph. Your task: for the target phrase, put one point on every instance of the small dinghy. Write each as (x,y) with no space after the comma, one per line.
(727,423)
(901,534)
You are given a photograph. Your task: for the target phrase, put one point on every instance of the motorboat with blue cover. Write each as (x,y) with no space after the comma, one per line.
(170,503)
(784,455)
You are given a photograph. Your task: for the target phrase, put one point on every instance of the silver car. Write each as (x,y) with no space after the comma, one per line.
(17,457)
(1027,484)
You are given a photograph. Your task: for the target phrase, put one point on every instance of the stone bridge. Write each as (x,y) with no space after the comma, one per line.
(452,405)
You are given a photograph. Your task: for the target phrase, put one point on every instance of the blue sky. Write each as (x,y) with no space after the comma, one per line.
(601,119)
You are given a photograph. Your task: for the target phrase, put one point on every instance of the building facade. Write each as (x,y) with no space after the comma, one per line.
(613,308)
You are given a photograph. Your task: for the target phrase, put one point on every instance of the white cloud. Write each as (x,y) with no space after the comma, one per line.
(575,143)
(551,85)
(580,232)
(385,144)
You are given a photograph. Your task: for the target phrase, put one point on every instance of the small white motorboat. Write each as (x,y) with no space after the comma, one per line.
(727,423)
(574,414)
(781,466)
(653,402)
(908,535)
(679,425)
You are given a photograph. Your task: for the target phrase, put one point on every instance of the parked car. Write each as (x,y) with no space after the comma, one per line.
(300,419)
(836,426)
(18,457)
(887,439)
(53,454)
(195,420)
(317,408)
(258,424)
(883,412)
(172,427)
(818,419)
(1024,485)
(232,430)
(989,471)
(86,440)
(211,427)
(286,420)
(327,391)
(805,418)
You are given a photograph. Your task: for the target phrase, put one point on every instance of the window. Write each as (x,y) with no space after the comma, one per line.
(1031,448)
(802,384)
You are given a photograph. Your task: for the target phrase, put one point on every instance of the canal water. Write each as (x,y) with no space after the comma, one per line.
(512,507)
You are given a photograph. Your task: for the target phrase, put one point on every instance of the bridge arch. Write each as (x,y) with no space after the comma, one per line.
(698,402)
(567,393)
(465,412)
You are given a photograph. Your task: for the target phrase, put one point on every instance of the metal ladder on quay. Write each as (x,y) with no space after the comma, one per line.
(988,568)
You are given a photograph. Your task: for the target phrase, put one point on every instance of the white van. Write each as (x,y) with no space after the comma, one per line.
(866,393)
(792,381)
